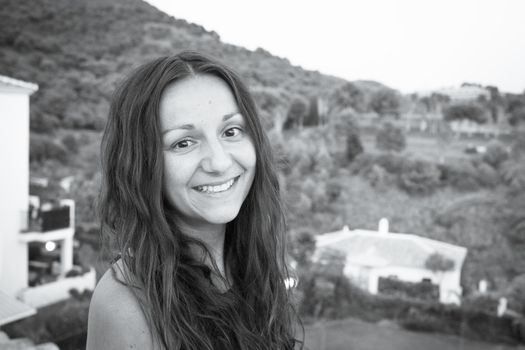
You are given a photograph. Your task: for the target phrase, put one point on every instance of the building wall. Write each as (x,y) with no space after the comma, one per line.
(53,292)
(14,191)
(450,288)
(368,279)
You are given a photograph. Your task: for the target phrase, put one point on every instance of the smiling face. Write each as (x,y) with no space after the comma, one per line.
(209,156)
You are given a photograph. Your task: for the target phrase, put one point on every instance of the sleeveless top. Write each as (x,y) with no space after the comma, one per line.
(220,342)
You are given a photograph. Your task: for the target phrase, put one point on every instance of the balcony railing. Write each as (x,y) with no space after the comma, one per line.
(55,218)
(48,220)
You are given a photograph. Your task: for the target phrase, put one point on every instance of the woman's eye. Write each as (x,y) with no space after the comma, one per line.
(232,132)
(182,144)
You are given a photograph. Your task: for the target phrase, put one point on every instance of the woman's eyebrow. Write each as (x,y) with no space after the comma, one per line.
(229,115)
(191,126)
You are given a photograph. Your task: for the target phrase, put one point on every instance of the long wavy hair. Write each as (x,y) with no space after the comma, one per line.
(180,304)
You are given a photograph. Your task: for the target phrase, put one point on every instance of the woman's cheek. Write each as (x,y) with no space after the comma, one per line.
(178,170)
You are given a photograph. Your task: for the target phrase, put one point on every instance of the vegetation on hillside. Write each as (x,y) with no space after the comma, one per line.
(77,51)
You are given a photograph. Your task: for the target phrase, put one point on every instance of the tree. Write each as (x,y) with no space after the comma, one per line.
(515,219)
(435,102)
(353,145)
(390,138)
(71,143)
(296,114)
(331,263)
(470,112)
(516,110)
(320,283)
(516,293)
(386,102)
(272,106)
(513,169)
(437,262)
(44,147)
(496,103)
(312,117)
(348,96)
(303,247)
(513,172)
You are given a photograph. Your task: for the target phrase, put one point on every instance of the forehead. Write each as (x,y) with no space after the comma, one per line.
(194,99)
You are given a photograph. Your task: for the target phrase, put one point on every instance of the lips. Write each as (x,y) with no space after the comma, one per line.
(216,187)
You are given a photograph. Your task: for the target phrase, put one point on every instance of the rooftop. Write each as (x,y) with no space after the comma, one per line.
(10,84)
(373,248)
(12,309)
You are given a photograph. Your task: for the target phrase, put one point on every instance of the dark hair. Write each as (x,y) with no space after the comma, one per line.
(175,292)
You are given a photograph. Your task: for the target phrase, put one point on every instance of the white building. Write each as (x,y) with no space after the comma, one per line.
(461,93)
(465,92)
(17,298)
(371,255)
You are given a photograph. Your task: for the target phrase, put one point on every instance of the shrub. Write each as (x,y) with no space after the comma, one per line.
(516,110)
(516,293)
(390,138)
(55,322)
(42,148)
(487,175)
(391,162)
(299,203)
(496,154)
(419,177)
(378,176)
(437,262)
(513,173)
(465,112)
(333,189)
(362,163)
(42,121)
(71,143)
(419,290)
(417,320)
(481,302)
(461,175)
(337,297)
(302,246)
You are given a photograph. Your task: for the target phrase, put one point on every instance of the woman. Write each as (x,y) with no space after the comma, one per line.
(191,203)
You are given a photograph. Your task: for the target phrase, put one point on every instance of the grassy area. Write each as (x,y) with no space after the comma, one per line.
(431,148)
(353,334)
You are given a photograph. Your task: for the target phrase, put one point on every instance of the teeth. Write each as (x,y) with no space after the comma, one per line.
(214,189)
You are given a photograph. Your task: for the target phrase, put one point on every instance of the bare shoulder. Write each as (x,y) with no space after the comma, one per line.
(116,320)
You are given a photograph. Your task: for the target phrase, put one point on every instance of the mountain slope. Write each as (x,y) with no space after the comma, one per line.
(77,50)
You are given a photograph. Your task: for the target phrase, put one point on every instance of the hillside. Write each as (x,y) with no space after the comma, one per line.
(76,51)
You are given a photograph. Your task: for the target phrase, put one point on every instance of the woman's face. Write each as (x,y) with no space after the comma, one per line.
(209,157)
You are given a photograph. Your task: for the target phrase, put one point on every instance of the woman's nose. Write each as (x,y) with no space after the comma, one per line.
(217,159)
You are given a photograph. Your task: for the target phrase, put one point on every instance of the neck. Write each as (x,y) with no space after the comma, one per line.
(212,235)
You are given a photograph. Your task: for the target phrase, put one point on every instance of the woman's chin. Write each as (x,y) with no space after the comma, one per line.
(220,218)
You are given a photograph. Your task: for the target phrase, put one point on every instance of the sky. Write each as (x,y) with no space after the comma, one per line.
(409,45)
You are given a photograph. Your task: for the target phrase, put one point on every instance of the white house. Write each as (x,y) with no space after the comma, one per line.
(461,93)
(17,298)
(371,255)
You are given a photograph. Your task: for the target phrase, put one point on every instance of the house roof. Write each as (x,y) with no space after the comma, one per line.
(12,309)
(10,84)
(374,249)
